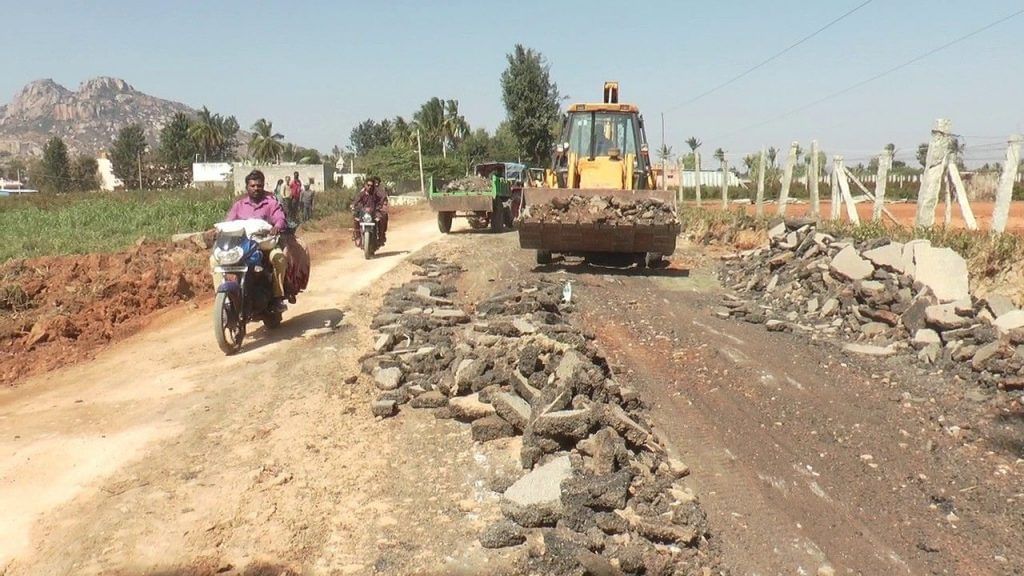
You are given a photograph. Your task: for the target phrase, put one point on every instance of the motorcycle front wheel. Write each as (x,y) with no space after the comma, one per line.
(228,327)
(367,244)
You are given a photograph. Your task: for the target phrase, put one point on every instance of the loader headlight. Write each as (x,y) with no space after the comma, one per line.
(229,256)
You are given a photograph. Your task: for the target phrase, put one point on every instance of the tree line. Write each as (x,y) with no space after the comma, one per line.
(450,146)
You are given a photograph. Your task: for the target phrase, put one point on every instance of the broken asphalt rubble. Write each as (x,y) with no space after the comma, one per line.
(609,210)
(892,298)
(598,489)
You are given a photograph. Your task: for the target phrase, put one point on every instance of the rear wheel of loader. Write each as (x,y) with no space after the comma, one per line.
(543,257)
(653,260)
(444,222)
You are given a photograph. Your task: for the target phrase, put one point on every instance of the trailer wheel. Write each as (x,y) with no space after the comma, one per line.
(497,217)
(543,257)
(509,221)
(444,222)
(654,260)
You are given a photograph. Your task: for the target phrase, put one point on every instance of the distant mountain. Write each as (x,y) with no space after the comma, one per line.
(88,120)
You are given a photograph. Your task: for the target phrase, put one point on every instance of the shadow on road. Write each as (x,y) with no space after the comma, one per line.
(600,270)
(326,320)
(204,569)
(390,253)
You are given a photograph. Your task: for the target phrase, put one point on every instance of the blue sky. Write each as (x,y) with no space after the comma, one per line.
(318,68)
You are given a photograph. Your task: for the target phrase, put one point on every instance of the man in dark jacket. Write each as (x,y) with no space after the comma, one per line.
(374,199)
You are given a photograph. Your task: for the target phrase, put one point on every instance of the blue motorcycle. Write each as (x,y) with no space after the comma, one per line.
(246,293)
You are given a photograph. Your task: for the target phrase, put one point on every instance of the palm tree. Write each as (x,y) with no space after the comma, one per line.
(453,127)
(693,143)
(664,153)
(429,119)
(265,145)
(403,133)
(719,155)
(207,132)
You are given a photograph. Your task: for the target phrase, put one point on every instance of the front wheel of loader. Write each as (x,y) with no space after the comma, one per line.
(653,260)
(543,257)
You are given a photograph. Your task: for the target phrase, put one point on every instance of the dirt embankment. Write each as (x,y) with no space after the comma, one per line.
(60,309)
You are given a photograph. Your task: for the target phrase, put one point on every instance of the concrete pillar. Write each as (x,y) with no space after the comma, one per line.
(815,171)
(834,181)
(696,175)
(1004,193)
(725,184)
(844,188)
(935,168)
(787,178)
(760,184)
(884,162)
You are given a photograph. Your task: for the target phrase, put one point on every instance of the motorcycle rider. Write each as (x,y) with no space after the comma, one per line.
(373,199)
(260,204)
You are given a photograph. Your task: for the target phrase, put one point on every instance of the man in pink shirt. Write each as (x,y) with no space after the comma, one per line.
(257,203)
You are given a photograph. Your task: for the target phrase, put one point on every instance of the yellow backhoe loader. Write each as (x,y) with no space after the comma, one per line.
(601,161)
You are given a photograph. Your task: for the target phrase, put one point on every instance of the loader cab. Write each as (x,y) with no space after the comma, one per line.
(602,146)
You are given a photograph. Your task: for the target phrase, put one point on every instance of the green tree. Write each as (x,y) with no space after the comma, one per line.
(265,145)
(391,163)
(454,127)
(55,167)
(207,133)
(719,155)
(228,128)
(693,143)
(531,102)
(430,121)
(127,151)
(403,133)
(370,134)
(176,145)
(85,175)
(664,153)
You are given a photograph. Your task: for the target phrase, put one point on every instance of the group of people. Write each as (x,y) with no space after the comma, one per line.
(295,197)
(280,211)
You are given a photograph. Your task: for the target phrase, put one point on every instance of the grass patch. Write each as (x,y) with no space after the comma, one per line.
(47,224)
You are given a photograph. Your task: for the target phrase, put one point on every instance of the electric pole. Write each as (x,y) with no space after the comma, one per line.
(419,153)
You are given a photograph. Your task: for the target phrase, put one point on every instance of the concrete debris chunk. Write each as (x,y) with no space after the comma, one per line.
(388,378)
(536,498)
(943,271)
(848,265)
(888,257)
(469,408)
(513,409)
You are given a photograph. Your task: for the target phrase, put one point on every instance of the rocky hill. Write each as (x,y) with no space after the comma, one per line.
(87,119)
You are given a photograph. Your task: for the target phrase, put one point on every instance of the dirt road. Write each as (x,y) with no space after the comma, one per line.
(805,457)
(165,456)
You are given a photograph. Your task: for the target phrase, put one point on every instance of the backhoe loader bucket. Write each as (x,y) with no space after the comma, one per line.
(581,238)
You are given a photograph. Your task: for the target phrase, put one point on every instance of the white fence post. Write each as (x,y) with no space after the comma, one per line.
(935,167)
(957,184)
(787,178)
(834,181)
(696,175)
(884,162)
(759,209)
(812,179)
(1001,211)
(725,183)
(844,188)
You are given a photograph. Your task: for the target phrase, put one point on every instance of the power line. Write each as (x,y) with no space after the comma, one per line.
(880,74)
(771,58)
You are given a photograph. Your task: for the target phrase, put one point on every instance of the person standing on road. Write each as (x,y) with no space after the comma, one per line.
(306,200)
(295,192)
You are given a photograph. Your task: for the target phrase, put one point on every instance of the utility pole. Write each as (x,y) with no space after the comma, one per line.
(759,203)
(140,171)
(1004,193)
(419,152)
(931,178)
(812,180)
(664,175)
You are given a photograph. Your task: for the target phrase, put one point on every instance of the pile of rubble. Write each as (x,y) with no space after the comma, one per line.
(895,298)
(599,489)
(610,210)
(470,183)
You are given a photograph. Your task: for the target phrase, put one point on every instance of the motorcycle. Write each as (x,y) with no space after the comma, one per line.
(369,233)
(247,292)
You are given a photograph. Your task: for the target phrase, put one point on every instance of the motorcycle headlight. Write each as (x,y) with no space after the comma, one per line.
(367,218)
(229,256)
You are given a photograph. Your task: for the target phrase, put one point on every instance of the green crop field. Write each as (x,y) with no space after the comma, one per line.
(44,225)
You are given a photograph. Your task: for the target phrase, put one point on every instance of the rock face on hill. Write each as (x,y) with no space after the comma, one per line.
(87,119)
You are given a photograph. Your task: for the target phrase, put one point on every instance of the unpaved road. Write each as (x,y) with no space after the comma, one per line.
(804,456)
(164,456)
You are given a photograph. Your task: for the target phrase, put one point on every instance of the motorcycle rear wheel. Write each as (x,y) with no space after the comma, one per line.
(367,244)
(228,327)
